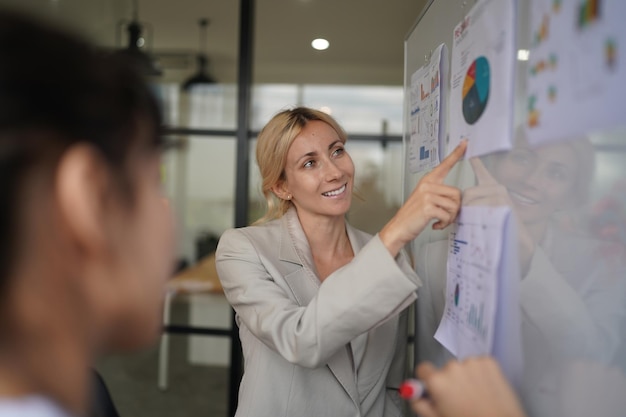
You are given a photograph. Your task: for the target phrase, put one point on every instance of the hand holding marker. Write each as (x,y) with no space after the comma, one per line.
(412,389)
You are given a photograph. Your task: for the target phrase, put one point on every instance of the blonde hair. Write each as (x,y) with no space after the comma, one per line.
(273,144)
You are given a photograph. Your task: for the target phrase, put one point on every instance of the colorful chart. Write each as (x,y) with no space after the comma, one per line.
(476,90)
(588,12)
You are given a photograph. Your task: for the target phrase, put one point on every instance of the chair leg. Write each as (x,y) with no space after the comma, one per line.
(165,344)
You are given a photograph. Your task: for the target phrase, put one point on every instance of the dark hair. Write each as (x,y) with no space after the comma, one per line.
(55,91)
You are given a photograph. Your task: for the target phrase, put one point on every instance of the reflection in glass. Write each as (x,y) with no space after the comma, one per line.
(571,245)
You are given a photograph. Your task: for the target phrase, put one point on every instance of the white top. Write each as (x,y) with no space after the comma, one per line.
(31,406)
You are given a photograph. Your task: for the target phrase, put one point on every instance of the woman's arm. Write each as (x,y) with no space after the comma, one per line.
(354,299)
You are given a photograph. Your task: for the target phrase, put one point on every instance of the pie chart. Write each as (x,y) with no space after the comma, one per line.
(476,90)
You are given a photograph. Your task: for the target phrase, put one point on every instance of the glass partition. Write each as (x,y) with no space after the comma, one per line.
(359,109)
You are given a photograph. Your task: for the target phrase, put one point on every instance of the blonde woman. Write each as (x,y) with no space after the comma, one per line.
(319,303)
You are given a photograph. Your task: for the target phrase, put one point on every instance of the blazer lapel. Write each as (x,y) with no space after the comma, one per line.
(294,251)
(304,283)
(341,365)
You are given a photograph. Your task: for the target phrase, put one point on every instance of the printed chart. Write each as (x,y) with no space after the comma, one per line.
(481,78)
(475,249)
(427,99)
(576,71)
(476,90)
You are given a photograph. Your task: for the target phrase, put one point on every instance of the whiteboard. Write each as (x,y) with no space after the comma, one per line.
(572,291)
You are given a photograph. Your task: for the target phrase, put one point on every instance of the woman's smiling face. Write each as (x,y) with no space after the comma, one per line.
(540,181)
(319,172)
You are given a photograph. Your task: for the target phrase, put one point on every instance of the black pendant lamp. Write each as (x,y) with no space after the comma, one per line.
(135,41)
(201,76)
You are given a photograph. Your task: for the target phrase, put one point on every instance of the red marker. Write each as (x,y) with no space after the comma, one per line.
(412,389)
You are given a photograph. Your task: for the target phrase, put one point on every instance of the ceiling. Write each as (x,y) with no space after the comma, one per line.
(366,36)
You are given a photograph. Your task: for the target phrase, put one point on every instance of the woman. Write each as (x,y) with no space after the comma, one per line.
(318,302)
(572,303)
(87,240)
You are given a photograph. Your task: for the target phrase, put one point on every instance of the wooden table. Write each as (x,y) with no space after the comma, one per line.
(201,277)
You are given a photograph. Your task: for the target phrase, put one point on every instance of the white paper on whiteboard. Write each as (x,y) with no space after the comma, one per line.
(482,78)
(427,116)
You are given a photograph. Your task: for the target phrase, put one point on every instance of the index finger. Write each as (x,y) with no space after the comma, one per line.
(483,176)
(441,171)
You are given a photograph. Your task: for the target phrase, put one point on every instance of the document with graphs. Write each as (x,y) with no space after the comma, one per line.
(427,99)
(482,74)
(576,68)
(481,291)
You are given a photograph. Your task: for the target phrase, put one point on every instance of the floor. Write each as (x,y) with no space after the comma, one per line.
(194,390)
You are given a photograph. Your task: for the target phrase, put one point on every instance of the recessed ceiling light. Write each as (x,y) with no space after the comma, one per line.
(320,44)
(326,110)
(522,54)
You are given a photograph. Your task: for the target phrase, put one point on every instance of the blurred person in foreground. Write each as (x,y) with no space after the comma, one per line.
(474,387)
(87,238)
(477,387)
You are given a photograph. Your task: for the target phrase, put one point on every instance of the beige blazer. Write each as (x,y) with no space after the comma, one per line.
(333,349)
